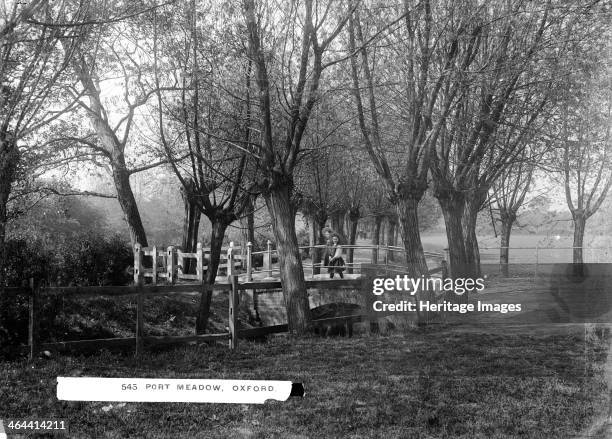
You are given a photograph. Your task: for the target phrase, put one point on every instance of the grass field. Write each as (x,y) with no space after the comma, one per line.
(448,382)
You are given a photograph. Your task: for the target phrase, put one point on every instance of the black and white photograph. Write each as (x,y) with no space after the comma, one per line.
(306,219)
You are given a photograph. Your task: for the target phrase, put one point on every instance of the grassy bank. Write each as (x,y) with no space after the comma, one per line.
(443,383)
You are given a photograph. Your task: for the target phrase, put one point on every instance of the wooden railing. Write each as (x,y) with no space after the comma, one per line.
(170,264)
(378,253)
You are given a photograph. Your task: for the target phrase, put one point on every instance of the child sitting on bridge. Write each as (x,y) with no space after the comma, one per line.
(336,263)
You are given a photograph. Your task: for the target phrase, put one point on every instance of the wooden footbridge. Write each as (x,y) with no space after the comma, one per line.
(161,272)
(155,264)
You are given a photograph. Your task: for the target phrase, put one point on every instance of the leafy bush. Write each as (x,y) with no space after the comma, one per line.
(84,259)
(92,259)
(24,260)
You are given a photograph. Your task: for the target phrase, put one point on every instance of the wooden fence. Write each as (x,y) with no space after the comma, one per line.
(140,290)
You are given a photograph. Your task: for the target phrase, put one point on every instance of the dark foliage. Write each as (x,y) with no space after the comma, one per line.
(85,259)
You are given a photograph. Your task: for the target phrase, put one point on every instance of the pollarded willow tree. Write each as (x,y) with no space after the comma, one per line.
(468,157)
(413,79)
(208,120)
(37,43)
(507,95)
(319,171)
(509,192)
(586,157)
(317,182)
(288,45)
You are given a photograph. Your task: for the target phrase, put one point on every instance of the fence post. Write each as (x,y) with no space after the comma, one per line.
(200,262)
(269,258)
(243,254)
(249,261)
(154,268)
(387,260)
(313,251)
(138,256)
(375,255)
(537,260)
(139,281)
(233,313)
(231,270)
(170,264)
(32,320)
(449,267)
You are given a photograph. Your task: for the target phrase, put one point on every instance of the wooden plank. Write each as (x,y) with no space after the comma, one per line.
(125,290)
(354,318)
(249,262)
(263,285)
(199,263)
(154,266)
(265,330)
(174,339)
(139,323)
(182,289)
(334,283)
(33,320)
(170,266)
(89,344)
(130,290)
(26,291)
(186,255)
(138,267)
(129,341)
(310,283)
(233,313)
(187,276)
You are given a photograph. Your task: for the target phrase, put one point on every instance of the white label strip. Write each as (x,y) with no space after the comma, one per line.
(170,390)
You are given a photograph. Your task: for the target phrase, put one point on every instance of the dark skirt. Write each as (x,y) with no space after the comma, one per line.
(336,266)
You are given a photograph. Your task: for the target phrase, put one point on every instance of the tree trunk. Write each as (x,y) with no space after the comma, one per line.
(318,224)
(337,223)
(291,270)
(9,159)
(376,237)
(247,223)
(507,220)
(115,149)
(407,213)
(218,227)
(579,227)
(353,217)
(191,225)
(121,178)
(469,222)
(247,229)
(452,204)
